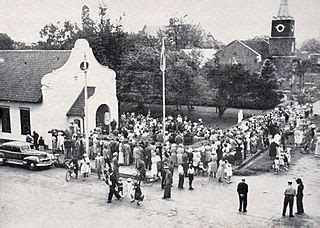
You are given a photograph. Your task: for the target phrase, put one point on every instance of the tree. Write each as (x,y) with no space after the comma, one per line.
(6,43)
(236,87)
(139,77)
(59,36)
(180,34)
(311,46)
(294,73)
(269,85)
(182,75)
(229,81)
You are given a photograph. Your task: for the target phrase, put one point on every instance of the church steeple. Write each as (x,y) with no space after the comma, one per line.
(283,12)
(282,40)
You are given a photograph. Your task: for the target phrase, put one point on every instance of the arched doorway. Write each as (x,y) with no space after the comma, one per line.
(103,118)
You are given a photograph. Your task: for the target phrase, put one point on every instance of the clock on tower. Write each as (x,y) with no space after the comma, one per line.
(282,41)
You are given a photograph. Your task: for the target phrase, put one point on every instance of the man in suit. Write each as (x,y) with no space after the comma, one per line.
(300,188)
(242,192)
(289,194)
(167,183)
(113,184)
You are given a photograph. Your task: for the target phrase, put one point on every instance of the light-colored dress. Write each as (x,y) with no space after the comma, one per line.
(121,158)
(84,164)
(155,159)
(220,172)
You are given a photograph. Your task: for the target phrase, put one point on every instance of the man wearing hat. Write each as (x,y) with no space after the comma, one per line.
(167,183)
(300,188)
(289,194)
(243,193)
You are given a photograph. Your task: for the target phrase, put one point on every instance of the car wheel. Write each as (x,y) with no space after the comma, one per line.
(31,166)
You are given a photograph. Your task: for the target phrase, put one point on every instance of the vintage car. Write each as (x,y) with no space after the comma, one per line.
(20,153)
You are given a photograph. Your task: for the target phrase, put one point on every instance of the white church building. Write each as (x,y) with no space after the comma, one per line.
(41,90)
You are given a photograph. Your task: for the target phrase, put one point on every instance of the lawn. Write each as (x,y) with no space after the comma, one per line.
(263,163)
(208,115)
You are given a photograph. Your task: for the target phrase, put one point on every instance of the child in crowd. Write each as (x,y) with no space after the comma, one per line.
(120,187)
(281,162)
(85,166)
(203,170)
(138,195)
(276,165)
(228,171)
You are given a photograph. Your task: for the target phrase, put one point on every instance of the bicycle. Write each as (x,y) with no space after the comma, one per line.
(148,180)
(70,172)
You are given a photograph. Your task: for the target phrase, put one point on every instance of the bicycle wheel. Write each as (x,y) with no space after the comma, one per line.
(68,176)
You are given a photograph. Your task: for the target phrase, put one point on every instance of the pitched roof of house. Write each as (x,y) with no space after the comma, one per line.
(259,45)
(21,72)
(77,108)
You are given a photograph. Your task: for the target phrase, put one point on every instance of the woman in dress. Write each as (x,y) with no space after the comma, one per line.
(220,172)
(154,166)
(173,156)
(228,171)
(121,156)
(213,165)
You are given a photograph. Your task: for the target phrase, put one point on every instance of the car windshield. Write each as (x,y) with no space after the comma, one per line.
(25,149)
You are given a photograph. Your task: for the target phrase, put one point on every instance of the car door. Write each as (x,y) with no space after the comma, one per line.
(14,154)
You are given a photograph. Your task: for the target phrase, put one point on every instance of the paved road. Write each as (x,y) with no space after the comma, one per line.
(44,199)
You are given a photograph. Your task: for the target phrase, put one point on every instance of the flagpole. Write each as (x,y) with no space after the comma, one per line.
(163,69)
(164,106)
(86,130)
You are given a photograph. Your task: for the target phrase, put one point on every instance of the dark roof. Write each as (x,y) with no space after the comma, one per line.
(21,72)
(259,45)
(77,109)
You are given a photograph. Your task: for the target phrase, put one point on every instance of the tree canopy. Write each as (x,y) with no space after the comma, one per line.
(311,45)
(6,43)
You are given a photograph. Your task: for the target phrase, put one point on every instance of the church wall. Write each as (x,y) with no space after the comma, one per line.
(15,122)
(60,89)
(237,52)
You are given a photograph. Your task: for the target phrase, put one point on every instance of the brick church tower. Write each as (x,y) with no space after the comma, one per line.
(282,40)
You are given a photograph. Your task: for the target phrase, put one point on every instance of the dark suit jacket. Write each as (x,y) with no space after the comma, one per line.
(300,190)
(168,179)
(242,188)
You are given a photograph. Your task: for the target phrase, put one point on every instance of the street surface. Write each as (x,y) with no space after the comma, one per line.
(45,199)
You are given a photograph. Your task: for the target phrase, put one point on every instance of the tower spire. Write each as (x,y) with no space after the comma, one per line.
(283,11)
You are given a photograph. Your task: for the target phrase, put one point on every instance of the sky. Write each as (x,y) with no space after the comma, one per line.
(226,20)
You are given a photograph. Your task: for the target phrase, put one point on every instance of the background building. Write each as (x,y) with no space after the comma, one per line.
(279,48)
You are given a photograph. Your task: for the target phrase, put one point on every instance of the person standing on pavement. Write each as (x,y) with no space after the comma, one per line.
(181,176)
(300,188)
(167,183)
(112,183)
(99,164)
(242,190)
(142,171)
(190,176)
(289,194)
(35,140)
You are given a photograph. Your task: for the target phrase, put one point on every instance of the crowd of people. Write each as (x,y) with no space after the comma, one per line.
(193,147)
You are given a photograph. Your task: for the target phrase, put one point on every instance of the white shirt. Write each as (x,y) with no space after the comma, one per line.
(180,170)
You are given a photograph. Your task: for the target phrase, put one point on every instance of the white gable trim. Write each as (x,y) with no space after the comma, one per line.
(249,48)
